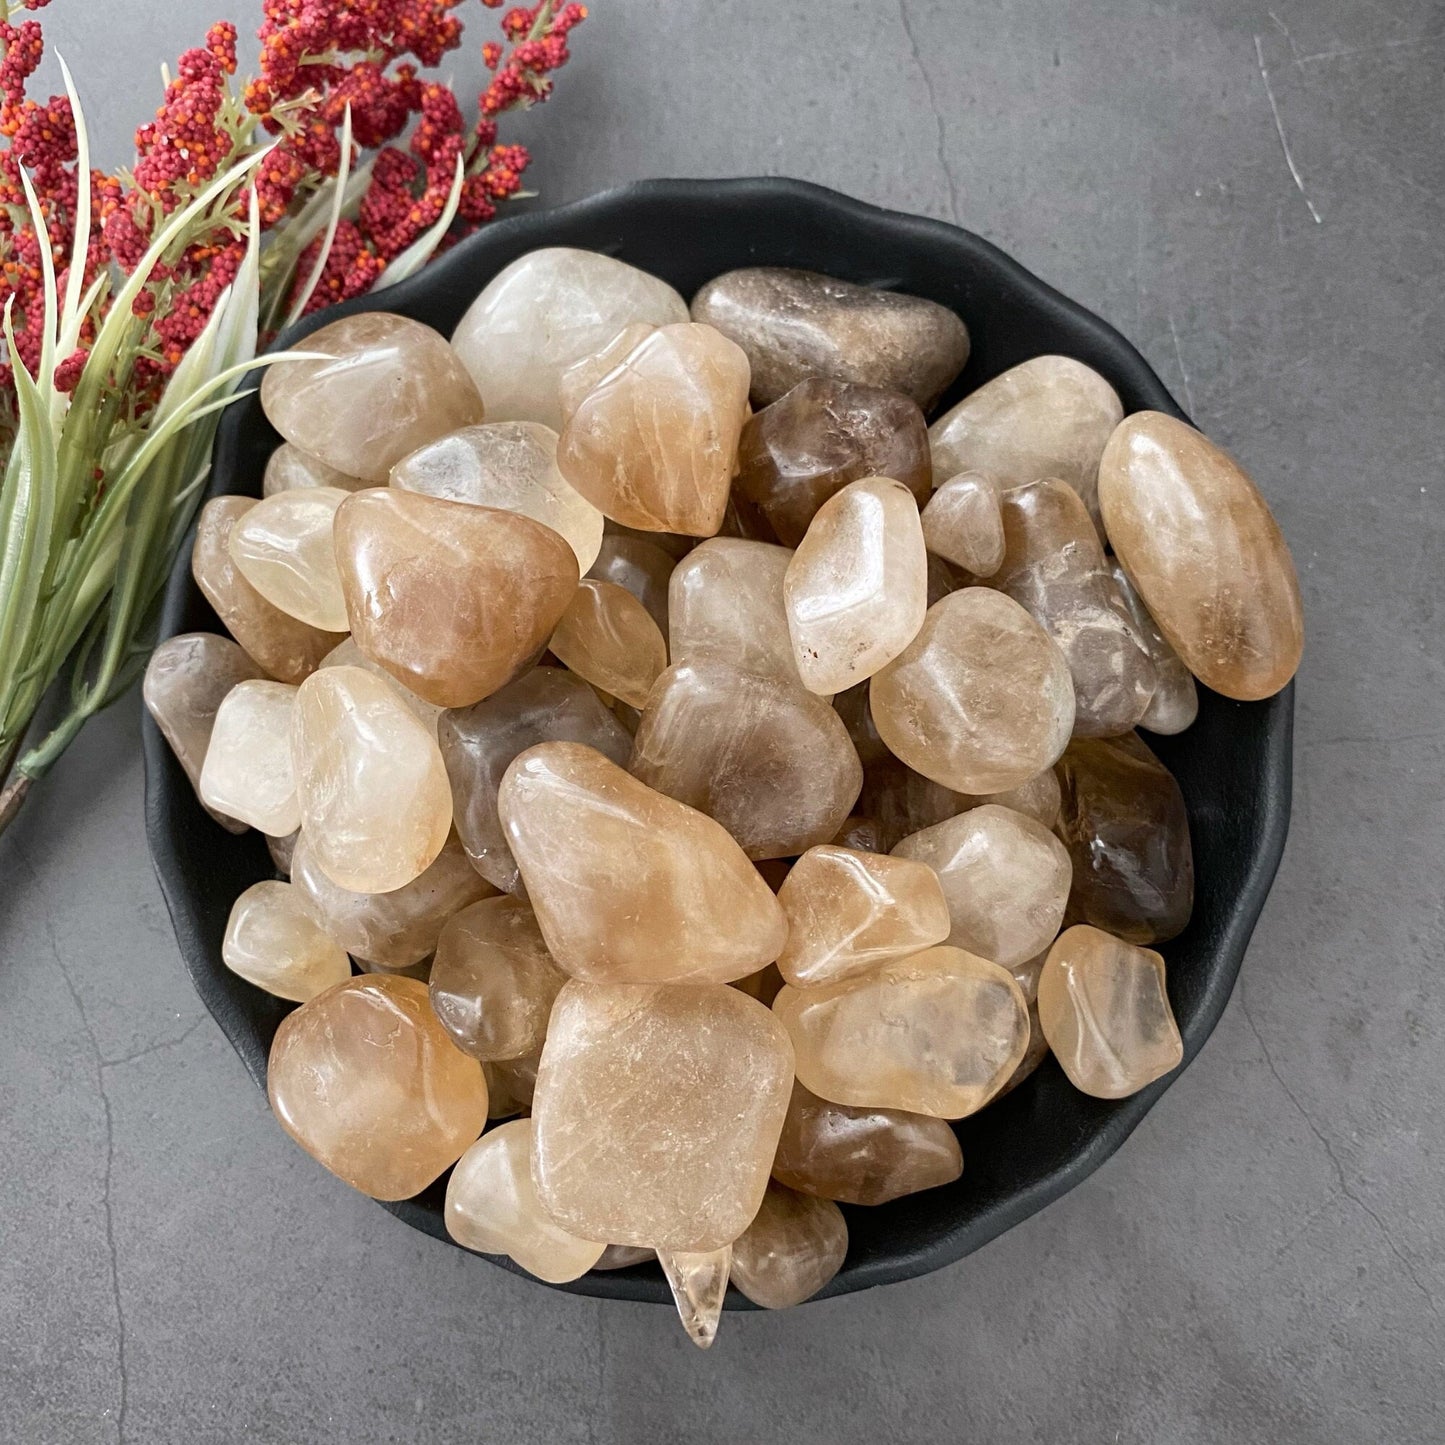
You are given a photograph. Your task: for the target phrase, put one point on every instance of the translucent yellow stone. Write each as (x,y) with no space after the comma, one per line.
(938,1033)
(283,548)
(274,941)
(699,1283)
(289,469)
(963,523)
(794,1246)
(849,911)
(365,1079)
(608,637)
(247,774)
(1105,1013)
(375,802)
(492,1206)
(348,654)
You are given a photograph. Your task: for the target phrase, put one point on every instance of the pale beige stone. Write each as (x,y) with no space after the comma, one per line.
(657,1112)
(963,523)
(365,1079)
(628,885)
(794,1246)
(654,444)
(849,911)
(1105,1013)
(1175,703)
(509,465)
(609,638)
(1038,798)
(348,654)
(856,590)
(274,941)
(772,763)
(699,1283)
(1006,879)
(1205,553)
(247,774)
(938,1033)
(492,1206)
(390,384)
(455,601)
(981,700)
(290,469)
(375,802)
(545,311)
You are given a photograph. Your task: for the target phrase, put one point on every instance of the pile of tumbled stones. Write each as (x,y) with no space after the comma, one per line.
(676,747)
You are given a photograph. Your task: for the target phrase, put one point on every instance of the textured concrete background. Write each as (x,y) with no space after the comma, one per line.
(1265,1259)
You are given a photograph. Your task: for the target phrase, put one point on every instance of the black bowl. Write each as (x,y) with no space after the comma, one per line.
(1233,764)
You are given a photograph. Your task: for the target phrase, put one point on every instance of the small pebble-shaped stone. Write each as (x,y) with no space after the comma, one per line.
(454,601)
(579,378)
(493,981)
(698,1280)
(1105,1013)
(796,324)
(643,569)
(980,700)
(478,744)
(545,311)
(1047,417)
(290,469)
(365,1079)
(654,444)
(609,638)
(657,1113)
(390,385)
(283,646)
(1205,553)
(1054,568)
(274,941)
(862,833)
(186,680)
(772,763)
(862,1155)
(348,654)
(1006,879)
(375,802)
(1175,703)
(392,930)
(794,1246)
(510,465)
(849,911)
(856,590)
(1038,798)
(247,774)
(901,801)
(823,434)
(492,1206)
(963,523)
(938,1033)
(283,548)
(628,885)
(1124,823)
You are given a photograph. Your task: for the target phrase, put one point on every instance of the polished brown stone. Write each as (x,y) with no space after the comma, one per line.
(852,706)
(348,654)
(511,1083)
(900,801)
(1175,703)
(609,638)
(582,375)
(1038,798)
(643,568)
(794,1246)
(864,834)
(963,523)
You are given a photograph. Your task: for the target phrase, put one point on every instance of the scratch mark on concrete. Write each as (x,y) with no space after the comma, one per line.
(923,74)
(1412,42)
(1183,370)
(155,1048)
(1279,129)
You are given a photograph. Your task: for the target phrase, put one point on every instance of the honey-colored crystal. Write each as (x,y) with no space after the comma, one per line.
(492,1206)
(963,523)
(1048,417)
(283,646)
(1006,879)
(772,763)
(375,802)
(1105,1013)
(794,1246)
(981,700)
(1124,823)
(657,1113)
(862,1155)
(699,1283)
(247,774)
(274,941)
(493,981)
(478,743)
(509,465)
(608,637)
(1175,703)
(454,601)
(1205,553)
(797,324)
(809,444)
(390,385)
(654,443)
(348,654)
(628,885)
(856,590)
(282,546)
(937,1033)
(365,1079)
(849,911)
(644,569)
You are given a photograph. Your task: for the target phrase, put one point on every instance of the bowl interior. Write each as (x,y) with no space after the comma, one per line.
(1233,765)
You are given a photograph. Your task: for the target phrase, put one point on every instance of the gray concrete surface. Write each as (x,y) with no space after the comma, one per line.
(1265,1259)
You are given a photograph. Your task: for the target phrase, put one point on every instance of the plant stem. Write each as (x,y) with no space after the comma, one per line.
(15,788)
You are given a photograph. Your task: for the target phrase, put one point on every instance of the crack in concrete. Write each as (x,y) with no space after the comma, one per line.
(155,1048)
(907,21)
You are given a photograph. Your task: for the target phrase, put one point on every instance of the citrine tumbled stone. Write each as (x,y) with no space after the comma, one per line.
(794,1246)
